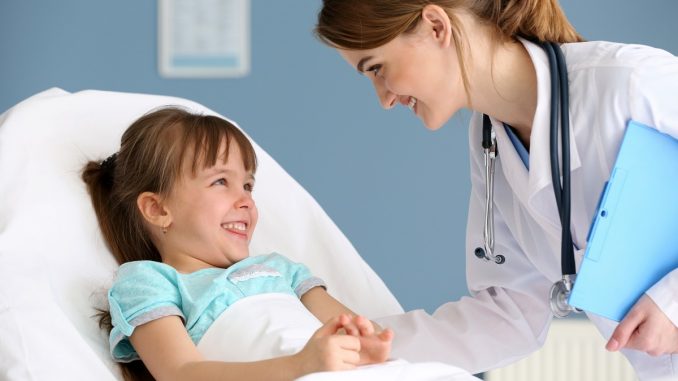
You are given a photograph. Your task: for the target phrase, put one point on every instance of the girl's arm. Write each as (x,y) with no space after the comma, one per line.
(169,354)
(325,307)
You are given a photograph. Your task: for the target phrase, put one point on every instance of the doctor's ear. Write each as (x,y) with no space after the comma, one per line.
(436,22)
(153,210)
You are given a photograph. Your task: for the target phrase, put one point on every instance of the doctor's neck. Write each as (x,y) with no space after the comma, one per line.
(503,80)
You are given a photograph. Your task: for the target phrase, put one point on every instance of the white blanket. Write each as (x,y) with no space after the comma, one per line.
(271,325)
(258,328)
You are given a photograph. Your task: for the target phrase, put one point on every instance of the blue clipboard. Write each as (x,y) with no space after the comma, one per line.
(633,239)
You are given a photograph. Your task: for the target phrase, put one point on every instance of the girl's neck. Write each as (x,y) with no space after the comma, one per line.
(503,81)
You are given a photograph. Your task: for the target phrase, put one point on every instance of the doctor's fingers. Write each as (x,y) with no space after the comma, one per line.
(645,328)
(364,325)
(386,335)
(625,329)
(656,336)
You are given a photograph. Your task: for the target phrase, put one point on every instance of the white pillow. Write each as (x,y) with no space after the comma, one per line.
(54,266)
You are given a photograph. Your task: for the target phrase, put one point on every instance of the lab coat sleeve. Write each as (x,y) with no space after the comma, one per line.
(665,295)
(653,92)
(505,318)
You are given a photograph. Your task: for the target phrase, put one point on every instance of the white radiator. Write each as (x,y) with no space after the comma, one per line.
(574,350)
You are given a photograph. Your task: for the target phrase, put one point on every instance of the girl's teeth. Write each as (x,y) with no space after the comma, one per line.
(235,226)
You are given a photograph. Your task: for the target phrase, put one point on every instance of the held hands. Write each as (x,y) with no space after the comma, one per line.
(645,328)
(343,343)
(375,344)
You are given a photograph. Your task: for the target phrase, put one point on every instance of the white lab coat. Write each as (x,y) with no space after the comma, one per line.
(508,315)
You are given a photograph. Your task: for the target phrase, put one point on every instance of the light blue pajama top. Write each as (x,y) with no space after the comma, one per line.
(146,290)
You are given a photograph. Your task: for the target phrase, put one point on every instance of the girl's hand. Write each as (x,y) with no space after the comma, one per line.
(645,328)
(327,350)
(375,346)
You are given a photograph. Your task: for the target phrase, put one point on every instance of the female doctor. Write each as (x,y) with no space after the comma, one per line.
(438,56)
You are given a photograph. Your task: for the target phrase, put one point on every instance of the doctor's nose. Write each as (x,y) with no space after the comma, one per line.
(386,97)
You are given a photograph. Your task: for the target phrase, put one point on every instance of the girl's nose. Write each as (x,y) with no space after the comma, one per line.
(245,200)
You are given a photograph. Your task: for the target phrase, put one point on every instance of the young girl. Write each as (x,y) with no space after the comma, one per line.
(175,207)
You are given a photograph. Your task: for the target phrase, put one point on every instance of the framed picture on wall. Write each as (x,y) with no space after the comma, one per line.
(203,38)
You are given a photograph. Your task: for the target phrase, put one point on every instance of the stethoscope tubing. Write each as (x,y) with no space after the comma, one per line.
(560,107)
(559,110)
(560,104)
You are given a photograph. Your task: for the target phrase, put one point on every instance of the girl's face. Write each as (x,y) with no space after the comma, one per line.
(419,69)
(213,215)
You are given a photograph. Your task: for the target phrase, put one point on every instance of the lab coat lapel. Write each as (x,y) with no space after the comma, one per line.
(510,163)
(541,199)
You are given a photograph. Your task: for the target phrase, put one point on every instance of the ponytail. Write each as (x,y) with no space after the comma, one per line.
(119,221)
(542,20)
(99,179)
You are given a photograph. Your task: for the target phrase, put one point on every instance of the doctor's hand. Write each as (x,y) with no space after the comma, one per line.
(645,328)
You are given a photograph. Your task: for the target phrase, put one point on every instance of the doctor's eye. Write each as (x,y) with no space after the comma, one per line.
(374,69)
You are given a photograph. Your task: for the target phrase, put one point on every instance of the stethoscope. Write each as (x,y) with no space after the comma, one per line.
(560,291)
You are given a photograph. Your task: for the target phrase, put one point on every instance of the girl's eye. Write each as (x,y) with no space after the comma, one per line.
(375,69)
(221,181)
(249,187)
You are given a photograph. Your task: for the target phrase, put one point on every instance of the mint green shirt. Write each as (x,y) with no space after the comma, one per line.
(146,290)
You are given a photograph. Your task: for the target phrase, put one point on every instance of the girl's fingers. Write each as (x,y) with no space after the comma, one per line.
(347,342)
(331,326)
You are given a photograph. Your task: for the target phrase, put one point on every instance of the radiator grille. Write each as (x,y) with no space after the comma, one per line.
(574,350)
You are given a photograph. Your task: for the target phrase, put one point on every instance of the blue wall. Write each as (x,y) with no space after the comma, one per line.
(398,191)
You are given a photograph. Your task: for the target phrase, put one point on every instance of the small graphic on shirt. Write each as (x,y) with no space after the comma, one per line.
(254,271)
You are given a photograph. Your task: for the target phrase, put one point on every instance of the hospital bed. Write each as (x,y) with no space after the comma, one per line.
(54,266)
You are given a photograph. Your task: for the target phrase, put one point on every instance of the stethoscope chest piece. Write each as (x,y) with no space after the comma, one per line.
(558,297)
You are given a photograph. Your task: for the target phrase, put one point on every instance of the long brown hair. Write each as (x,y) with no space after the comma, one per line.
(368,24)
(151,156)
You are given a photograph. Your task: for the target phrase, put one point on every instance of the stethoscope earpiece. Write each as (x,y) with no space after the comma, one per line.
(480,254)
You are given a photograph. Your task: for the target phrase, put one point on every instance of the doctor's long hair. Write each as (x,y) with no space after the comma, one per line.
(368,24)
(151,157)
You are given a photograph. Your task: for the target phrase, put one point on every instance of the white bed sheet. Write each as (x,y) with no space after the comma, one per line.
(54,266)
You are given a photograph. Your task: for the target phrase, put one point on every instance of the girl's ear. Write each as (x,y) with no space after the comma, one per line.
(437,24)
(153,210)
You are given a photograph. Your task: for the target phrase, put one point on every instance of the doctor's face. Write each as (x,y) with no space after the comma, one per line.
(416,70)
